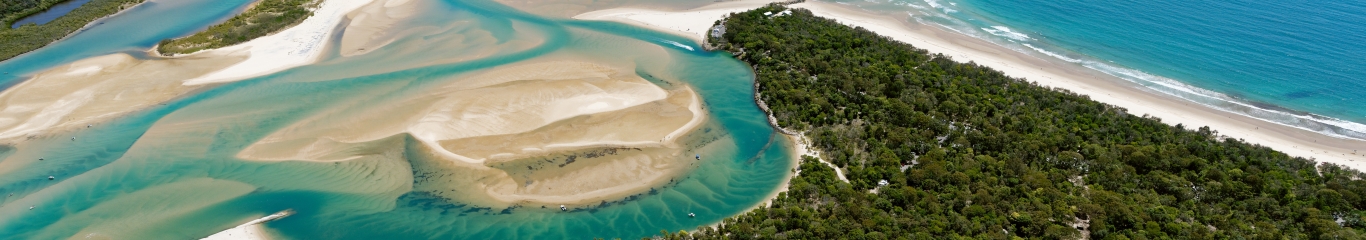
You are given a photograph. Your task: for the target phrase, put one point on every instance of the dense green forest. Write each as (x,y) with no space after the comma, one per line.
(15,41)
(266,17)
(968,152)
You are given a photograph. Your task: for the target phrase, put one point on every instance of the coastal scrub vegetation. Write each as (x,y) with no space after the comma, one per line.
(27,37)
(968,152)
(263,18)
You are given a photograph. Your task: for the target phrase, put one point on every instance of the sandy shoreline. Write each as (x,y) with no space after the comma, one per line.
(296,46)
(1104,88)
(1052,73)
(693,23)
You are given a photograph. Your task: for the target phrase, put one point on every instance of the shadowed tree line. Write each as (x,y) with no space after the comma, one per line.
(970,153)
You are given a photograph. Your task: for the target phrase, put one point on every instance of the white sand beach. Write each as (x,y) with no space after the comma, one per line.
(1057,74)
(693,23)
(296,46)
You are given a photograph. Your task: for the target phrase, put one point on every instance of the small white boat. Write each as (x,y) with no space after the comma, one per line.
(692,215)
(562,208)
(51,177)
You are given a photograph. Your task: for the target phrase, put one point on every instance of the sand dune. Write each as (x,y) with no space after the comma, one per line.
(540,132)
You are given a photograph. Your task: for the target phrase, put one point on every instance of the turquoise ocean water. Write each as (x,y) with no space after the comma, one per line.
(169,172)
(1290,62)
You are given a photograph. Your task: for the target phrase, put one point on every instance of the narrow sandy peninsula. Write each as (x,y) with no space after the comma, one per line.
(1057,74)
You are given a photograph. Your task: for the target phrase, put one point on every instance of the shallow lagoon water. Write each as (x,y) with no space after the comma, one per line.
(170,171)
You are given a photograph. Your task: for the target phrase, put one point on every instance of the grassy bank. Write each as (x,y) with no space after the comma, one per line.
(29,36)
(263,18)
(968,152)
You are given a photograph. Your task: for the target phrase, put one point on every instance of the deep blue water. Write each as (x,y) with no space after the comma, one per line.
(1292,62)
(51,14)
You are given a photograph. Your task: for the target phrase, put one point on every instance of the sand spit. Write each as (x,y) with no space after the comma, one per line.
(94,89)
(540,132)
(296,46)
(251,230)
(1104,88)
(693,23)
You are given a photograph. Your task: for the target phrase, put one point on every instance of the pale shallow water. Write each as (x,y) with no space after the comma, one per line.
(169,172)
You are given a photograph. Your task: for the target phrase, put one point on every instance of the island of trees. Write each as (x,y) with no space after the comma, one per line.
(263,18)
(25,38)
(967,152)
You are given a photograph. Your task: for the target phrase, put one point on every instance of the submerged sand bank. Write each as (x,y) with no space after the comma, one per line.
(95,89)
(89,91)
(534,133)
(252,230)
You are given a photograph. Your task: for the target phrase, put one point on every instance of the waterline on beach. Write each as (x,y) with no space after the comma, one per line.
(964,18)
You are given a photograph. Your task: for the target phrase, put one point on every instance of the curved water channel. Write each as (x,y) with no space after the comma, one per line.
(173,171)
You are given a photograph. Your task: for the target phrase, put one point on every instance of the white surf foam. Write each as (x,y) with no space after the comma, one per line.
(1005,32)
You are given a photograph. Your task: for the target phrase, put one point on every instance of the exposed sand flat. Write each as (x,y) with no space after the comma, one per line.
(1104,88)
(252,230)
(693,23)
(540,132)
(653,123)
(90,90)
(296,46)
(371,26)
(95,89)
